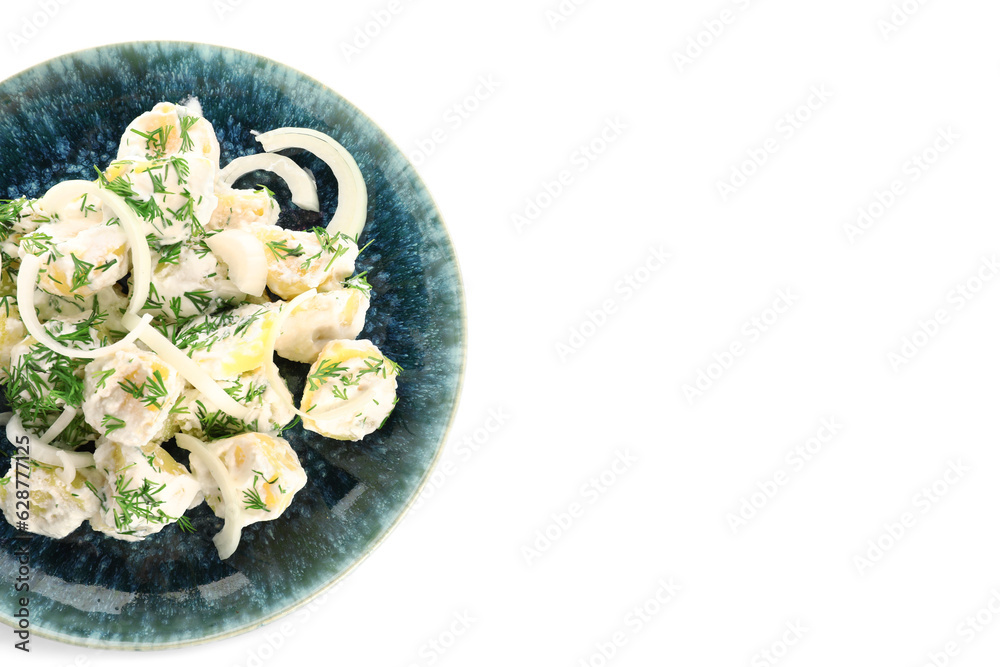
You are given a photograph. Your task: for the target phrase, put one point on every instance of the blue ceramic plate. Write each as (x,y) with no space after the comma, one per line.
(58,120)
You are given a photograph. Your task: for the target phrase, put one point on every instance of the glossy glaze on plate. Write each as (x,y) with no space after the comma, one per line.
(57,121)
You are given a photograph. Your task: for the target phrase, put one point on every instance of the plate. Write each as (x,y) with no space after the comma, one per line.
(57,121)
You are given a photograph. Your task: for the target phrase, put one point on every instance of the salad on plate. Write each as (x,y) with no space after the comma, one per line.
(140,313)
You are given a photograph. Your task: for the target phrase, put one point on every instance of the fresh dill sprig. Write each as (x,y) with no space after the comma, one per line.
(327,370)
(81,272)
(182,168)
(100,496)
(42,382)
(102,377)
(219,424)
(187,144)
(246,322)
(201,248)
(329,245)
(147,209)
(252,499)
(360,283)
(185,212)
(141,503)
(131,388)
(39,243)
(179,408)
(157,139)
(121,185)
(170,253)
(107,265)
(185,525)
(380,366)
(153,301)
(10,213)
(112,423)
(157,391)
(264,477)
(281,250)
(290,425)
(158,187)
(201,299)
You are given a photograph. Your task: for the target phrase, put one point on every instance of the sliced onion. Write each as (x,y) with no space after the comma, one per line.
(27,276)
(65,461)
(59,425)
(244,254)
(228,538)
(297,179)
(270,368)
(189,369)
(274,377)
(142,261)
(46,453)
(352,207)
(67,470)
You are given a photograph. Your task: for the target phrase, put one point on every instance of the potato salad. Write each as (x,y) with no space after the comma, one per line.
(140,313)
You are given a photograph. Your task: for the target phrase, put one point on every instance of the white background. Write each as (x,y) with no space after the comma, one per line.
(587,368)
